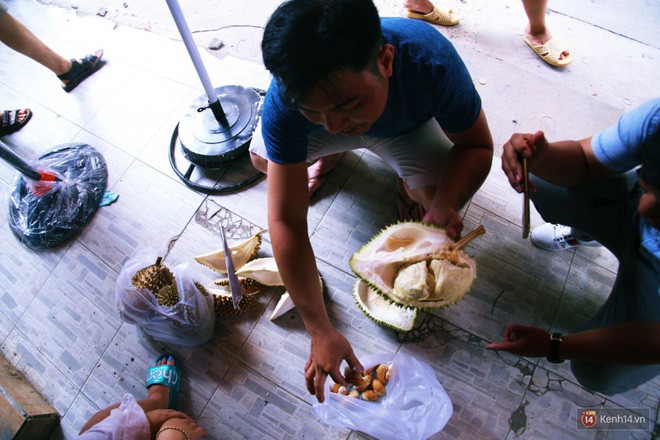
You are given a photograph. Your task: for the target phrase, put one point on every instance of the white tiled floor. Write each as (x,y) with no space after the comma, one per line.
(58,321)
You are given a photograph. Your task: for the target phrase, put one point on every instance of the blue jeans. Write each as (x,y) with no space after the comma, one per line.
(606,210)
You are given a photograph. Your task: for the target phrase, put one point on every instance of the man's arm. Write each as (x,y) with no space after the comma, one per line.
(288,201)
(633,342)
(563,163)
(463,172)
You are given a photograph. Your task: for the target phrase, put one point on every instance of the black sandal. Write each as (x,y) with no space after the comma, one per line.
(10,123)
(81,70)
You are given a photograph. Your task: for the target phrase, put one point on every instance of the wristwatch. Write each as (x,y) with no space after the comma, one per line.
(553,356)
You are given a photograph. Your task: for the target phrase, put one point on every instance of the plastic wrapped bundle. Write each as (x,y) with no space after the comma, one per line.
(45,214)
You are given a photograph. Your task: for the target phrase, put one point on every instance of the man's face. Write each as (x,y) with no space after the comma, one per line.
(350,102)
(649,204)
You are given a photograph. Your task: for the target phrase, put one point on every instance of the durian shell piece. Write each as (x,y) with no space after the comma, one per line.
(201,288)
(283,305)
(154,277)
(223,304)
(378,263)
(241,253)
(382,310)
(264,270)
(248,285)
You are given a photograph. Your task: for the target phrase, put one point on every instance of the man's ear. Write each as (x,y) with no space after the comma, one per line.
(386,60)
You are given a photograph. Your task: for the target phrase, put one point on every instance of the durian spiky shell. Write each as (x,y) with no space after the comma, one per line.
(168,295)
(224,306)
(250,286)
(379,245)
(383,310)
(222,299)
(154,277)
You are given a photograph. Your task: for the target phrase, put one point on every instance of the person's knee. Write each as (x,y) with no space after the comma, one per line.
(608,379)
(259,162)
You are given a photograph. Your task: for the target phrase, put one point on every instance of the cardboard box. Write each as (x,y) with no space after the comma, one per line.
(24,414)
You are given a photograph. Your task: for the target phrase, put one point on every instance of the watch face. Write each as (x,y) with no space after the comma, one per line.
(556,336)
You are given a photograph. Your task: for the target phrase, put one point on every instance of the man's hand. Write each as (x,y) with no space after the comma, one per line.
(524,341)
(521,145)
(446,218)
(326,354)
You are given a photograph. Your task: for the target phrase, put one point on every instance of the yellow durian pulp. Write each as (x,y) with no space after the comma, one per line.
(415,265)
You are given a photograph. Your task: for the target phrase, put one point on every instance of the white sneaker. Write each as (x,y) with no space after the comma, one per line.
(553,237)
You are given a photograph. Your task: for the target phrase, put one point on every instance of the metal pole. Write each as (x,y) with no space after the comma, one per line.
(18,163)
(186,35)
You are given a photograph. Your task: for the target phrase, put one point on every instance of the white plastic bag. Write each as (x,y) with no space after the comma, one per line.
(188,322)
(414,407)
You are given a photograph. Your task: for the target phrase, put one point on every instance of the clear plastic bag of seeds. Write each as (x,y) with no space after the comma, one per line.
(415,406)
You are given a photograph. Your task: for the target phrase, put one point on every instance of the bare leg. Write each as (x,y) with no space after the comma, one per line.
(259,163)
(536,30)
(316,172)
(413,204)
(157,398)
(19,38)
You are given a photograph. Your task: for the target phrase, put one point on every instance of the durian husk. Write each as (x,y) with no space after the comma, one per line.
(262,270)
(154,277)
(382,310)
(241,253)
(222,299)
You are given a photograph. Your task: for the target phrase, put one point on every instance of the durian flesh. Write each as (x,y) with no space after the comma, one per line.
(415,265)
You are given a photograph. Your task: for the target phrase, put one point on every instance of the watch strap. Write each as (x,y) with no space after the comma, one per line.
(553,355)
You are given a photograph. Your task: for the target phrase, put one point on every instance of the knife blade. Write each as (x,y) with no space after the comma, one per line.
(525,219)
(234,284)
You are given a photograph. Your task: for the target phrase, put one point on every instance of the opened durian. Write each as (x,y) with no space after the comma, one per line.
(153,277)
(381,310)
(241,253)
(416,265)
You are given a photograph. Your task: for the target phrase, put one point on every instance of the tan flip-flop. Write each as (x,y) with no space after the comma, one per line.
(443,17)
(550,52)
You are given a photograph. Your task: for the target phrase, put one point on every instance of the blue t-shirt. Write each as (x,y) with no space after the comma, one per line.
(621,146)
(429,80)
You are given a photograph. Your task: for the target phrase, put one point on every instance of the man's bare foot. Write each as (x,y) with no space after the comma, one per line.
(318,171)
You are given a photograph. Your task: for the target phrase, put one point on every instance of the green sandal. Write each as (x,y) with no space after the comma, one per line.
(168,375)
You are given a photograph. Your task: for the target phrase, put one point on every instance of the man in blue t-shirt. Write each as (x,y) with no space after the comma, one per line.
(344,79)
(593,185)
